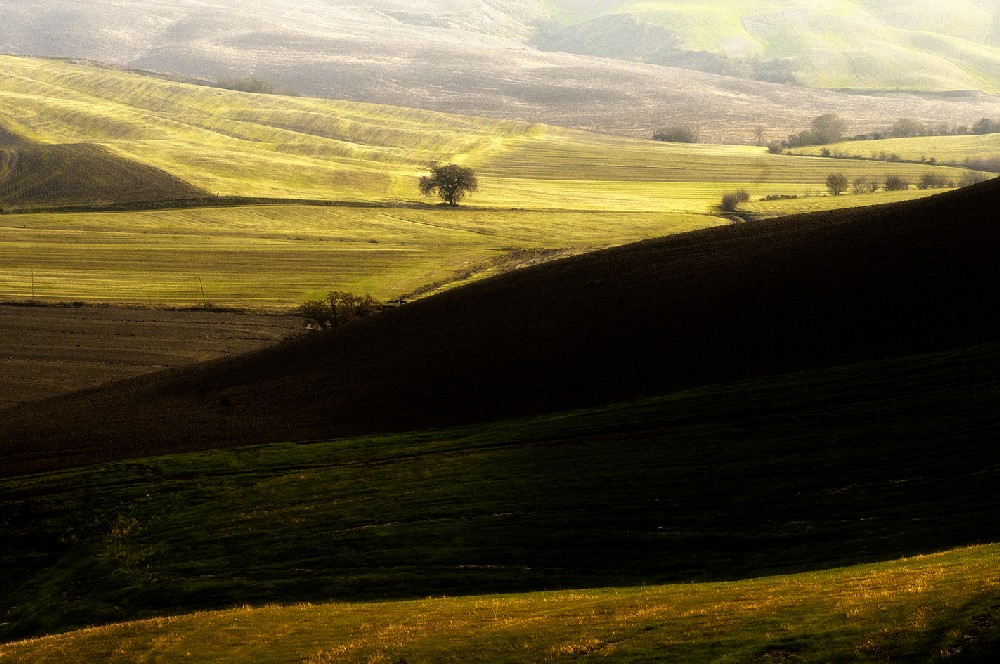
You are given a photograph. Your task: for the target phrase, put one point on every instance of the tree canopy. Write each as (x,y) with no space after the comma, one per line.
(450,181)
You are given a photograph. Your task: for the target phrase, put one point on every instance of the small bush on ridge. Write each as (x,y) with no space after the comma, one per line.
(338,309)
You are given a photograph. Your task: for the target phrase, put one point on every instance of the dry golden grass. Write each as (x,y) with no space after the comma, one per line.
(917,607)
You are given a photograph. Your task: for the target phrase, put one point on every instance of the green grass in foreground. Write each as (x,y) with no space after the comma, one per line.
(279,256)
(930,608)
(798,473)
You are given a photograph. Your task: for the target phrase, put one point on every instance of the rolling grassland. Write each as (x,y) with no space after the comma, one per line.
(232,143)
(541,187)
(274,257)
(855,44)
(798,473)
(471,57)
(941,607)
(648,318)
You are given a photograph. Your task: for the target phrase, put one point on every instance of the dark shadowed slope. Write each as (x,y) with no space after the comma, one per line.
(45,175)
(643,319)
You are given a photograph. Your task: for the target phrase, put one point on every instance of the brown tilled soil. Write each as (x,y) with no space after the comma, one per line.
(733,302)
(49,351)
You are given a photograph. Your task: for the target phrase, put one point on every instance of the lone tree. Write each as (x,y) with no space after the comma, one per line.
(450,181)
(836,183)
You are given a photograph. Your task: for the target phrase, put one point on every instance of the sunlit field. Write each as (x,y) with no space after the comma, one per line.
(278,256)
(935,605)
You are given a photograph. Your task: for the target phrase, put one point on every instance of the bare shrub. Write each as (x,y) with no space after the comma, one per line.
(731,200)
(338,309)
(896,183)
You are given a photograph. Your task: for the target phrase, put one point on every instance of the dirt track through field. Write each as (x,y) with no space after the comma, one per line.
(48,351)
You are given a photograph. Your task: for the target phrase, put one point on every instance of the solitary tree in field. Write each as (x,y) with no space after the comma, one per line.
(450,181)
(836,183)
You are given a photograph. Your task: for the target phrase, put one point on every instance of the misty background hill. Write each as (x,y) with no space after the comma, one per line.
(611,66)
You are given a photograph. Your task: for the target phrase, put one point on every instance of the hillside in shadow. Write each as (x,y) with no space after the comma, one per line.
(36,174)
(645,319)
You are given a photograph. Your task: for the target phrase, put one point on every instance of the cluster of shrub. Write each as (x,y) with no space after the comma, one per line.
(836,183)
(676,135)
(338,309)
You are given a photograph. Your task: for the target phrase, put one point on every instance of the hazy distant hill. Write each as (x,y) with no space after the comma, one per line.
(859,44)
(484,57)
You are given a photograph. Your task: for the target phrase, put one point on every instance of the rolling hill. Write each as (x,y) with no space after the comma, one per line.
(481,58)
(715,305)
(849,44)
(359,223)
(36,175)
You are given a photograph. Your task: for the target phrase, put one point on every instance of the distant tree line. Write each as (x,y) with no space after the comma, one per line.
(831,128)
(838,183)
(911,128)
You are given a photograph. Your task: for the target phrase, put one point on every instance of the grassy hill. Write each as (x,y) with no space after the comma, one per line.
(803,472)
(278,256)
(924,609)
(406,53)
(45,175)
(857,44)
(648,318)
(234,143)
(771,398)
(541,188)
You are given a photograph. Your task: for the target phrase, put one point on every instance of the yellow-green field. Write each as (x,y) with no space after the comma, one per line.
(946,149)
(781,208)
(233,143)
(919,609)
(540,187)
(274,256)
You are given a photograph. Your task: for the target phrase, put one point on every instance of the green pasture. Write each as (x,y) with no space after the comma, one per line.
(541,187)
(278,256)
(928,608)
(946,149)
(799,473)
